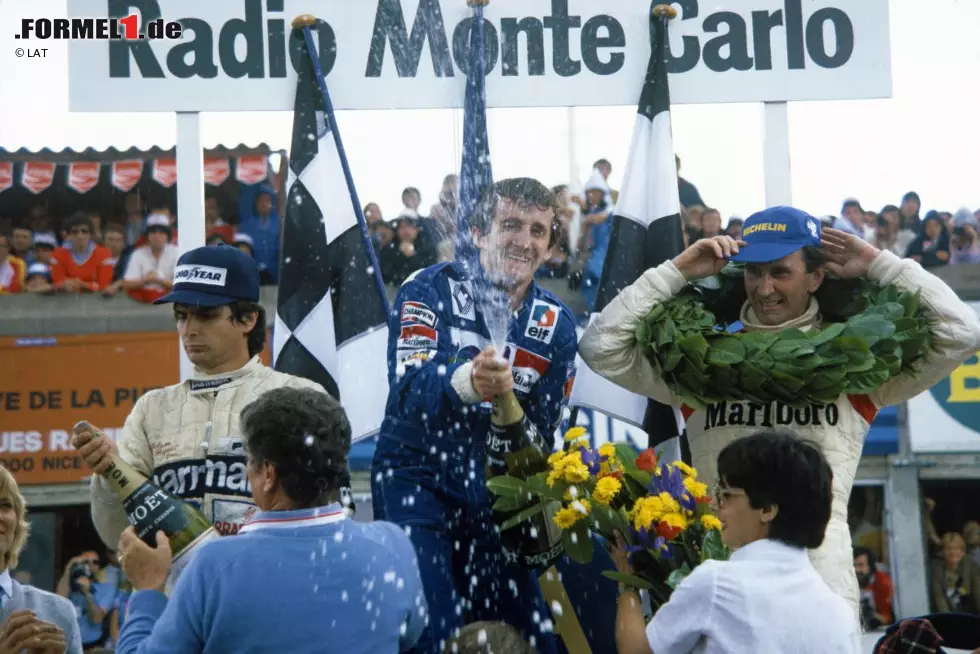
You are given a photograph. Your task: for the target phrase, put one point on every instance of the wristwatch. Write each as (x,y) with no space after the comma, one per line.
(626,588)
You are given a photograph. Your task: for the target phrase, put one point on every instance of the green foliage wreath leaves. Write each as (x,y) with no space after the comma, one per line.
(874,333)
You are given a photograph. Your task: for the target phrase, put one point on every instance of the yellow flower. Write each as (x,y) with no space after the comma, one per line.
(685,469)
(566,517)
(709,521)
(555,459)
(571,514)
(576,473)
(606,489)
(553,477)
(608,450)
(574,434)
(646,511)
(669,503)
(695,488)
(678,520)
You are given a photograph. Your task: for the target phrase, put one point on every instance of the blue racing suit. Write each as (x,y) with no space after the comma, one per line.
(428,471)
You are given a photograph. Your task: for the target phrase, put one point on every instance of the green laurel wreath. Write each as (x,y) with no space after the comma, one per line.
(871,334)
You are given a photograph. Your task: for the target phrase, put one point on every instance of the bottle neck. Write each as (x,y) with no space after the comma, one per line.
(122,477)
(506,410)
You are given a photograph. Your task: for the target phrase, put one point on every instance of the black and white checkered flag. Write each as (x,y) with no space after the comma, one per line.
(646,231)
(331,319)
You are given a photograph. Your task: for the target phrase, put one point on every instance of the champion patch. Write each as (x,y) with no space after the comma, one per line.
(543,321)
(464,305)
(416,312)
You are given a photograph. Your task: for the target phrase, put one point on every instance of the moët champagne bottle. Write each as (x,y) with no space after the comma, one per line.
(149,509)
(515,448)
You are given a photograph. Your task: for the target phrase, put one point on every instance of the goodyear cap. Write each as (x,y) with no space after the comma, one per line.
(214,275)
(776,232)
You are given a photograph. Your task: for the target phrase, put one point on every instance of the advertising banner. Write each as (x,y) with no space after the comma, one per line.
(50,383)
(239,55)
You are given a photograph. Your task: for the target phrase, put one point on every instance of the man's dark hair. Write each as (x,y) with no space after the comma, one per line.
(813,258)
(525,193)
(305,435)
(867,553)
(487,638)
(256,338)
(80,219)
(411,190)
(889,207)
(114,227)
(779,469)
(602,162)
(851,202)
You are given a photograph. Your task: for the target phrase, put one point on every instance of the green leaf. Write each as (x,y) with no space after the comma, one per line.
(827,335)
(507,503)
(529,512)
(628,579)
(506,485)
(726,351)
(677,576)
(607,520)
(577,542)
(694,347)
(712,547)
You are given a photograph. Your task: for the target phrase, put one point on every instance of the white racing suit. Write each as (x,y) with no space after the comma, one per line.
(185,438)
(609,347)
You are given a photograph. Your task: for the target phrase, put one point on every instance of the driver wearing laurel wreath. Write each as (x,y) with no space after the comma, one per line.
(787,256)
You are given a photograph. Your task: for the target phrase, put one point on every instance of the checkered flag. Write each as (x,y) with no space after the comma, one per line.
(331,320)
(646,231)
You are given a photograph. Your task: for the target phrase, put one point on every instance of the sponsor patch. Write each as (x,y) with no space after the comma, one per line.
(528,368)
(228,516)
(416,358)
(417,331)
(418,313)
(543,321)
(196,385)
(415,343)
(464,305)
(194,478)
(207,275)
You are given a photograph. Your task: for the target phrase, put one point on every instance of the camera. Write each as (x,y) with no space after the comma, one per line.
(79,570)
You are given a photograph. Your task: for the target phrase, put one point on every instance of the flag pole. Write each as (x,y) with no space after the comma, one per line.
(307,22)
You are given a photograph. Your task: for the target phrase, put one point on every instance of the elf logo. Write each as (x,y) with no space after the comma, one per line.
(541,326)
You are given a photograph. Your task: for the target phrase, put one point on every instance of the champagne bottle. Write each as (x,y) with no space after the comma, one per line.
(515,448)
(149,509)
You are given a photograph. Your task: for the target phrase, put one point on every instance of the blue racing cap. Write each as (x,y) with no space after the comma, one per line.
(211,276)
(776,232)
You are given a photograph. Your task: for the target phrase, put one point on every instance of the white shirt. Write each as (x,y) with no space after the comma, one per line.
(142,262)
(766,598)
(6,586)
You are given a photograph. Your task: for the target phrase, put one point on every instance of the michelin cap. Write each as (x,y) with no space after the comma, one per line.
(211,276)
(774,233)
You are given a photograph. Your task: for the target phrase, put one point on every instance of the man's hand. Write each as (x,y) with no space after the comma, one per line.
(71,284)
(848,256)
(146,567)
(22,630)
(84,583)
(491,376)
(95,448)
(706,257)
(151,278)
(407,248)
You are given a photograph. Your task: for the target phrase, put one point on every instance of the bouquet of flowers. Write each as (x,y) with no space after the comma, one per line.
(662,510)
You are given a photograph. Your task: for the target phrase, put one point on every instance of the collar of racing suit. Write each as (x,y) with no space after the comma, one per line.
(201,383)
(810,319)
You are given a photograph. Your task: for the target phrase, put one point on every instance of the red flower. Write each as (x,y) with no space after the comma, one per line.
(668,532)
(647,460)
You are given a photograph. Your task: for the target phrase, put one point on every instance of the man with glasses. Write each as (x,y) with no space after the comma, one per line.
(75,269)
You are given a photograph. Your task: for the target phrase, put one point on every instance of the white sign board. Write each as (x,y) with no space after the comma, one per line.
(238,55)
(946,418)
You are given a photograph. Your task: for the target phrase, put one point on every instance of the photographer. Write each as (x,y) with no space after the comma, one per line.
(91,598)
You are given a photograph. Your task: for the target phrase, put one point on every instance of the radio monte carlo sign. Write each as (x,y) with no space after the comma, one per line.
(411,54)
